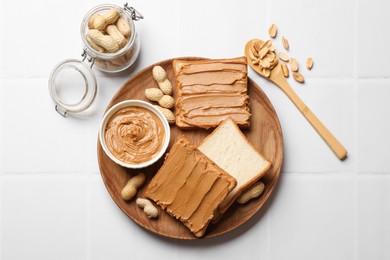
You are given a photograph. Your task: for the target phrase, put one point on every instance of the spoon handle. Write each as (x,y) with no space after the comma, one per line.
(328,137)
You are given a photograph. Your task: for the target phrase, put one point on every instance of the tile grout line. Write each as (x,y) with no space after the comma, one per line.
(178,8)
(268,236)
(95,173)
(355,202)
(308,77)
(386,253)
(338,173)
(88,236)
(268,219)
(1,170)
(355,207)
(268,223)
(1,218)
(52,173)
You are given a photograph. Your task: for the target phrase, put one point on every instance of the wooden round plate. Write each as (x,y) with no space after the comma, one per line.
(265,134)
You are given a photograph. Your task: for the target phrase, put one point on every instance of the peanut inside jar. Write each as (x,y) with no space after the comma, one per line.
(109,32)
(134,135)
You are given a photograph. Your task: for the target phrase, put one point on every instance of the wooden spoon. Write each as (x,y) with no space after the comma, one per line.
(278,78)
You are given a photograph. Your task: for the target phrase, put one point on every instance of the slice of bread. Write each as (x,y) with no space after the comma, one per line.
(230,149)
(190,187)
(209,91)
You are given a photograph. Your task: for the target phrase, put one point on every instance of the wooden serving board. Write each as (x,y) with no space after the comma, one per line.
(265,134)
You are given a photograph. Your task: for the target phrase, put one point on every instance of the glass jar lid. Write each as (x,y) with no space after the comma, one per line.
(72,86)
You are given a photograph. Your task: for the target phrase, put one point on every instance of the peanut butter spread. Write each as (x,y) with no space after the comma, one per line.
(209,91)
(189,186)
(134,135)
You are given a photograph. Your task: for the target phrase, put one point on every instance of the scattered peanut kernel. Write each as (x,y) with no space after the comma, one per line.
(298,77)
(273,30)
(309,63)
(285,43)
(284,57)
(285,70)
(294,65)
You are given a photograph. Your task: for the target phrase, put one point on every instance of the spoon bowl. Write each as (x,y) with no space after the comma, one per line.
(276,76)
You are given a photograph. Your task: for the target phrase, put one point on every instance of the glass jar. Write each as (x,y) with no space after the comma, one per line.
(127,55)
(78,74)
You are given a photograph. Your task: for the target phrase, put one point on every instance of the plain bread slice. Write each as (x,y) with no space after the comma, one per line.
(228,147)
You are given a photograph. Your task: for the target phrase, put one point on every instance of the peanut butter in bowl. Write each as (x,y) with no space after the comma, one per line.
(134,134)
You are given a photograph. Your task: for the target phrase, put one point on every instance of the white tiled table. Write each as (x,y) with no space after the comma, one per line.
(53,203)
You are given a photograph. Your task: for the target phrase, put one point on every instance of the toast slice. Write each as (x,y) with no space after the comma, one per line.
(190,187)
(228,147)
(209,91)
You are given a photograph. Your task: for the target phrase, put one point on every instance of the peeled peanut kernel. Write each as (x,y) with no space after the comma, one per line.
(273,30)
(285,71)
(294,66)
(167,101)
(252,193)
(153,94)
(132,185)
(168,114)
(160,75)
(285,43)
(309,63)
(123,27)
(298,77)
(113,31)
(150,210)
(104,41)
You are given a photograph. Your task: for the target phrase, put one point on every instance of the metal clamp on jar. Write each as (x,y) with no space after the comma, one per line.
(111,44)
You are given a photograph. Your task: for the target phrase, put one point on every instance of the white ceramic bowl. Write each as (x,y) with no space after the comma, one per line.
(134,103)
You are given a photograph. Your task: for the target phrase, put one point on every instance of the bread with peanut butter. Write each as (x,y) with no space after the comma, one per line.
(228,147)
(209,91)
(189,186)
